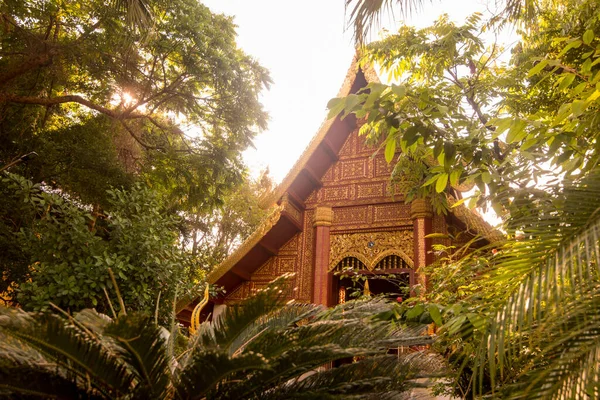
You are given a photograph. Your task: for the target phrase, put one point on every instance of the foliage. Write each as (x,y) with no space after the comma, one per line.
(213,236)
(366,14)
(256,350)
(64,251)
(457,109)
(520,318)
(174,102)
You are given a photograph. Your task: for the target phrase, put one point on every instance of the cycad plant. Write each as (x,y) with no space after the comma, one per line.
(262,349)
(543,340)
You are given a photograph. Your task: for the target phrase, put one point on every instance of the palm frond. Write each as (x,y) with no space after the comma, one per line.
(57,342)
(316,341)
(212,370)
(567,366)
(365,15)
(379,377)
(142,348)
(549,275)
(29,380)
(137,12)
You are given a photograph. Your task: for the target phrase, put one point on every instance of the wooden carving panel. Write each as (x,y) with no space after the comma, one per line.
(382,168)
(349,148)
(305,273)
(371,247)
(370,190)
(334,193)
(354,169)
(394,212)
(351,215)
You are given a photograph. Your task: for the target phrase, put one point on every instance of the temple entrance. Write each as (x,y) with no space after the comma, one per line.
(391,277)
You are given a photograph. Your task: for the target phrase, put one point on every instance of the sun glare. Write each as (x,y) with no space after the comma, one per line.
(123,98)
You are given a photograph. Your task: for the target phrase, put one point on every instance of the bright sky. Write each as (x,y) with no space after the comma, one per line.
(308,52)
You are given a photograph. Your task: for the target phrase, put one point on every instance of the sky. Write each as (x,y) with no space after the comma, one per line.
(307,50)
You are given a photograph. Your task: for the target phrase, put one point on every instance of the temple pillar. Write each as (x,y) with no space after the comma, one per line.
(422,215)
(323,279)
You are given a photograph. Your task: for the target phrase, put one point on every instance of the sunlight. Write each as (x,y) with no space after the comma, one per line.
(123,98)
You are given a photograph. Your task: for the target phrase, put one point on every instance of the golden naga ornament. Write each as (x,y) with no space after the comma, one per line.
(195,320)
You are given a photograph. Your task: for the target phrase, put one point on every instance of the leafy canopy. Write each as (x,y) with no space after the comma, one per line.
(65,251)
(176,102)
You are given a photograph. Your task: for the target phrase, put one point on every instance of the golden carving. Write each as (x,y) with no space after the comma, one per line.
(286,264)
(289,208)
(421,208)
(323,216)
(372,247)
(291,246)
(269,268)
(370,190)
(354,169)
(391,212)
(336,193)
(351,215)
(421,250)
(195,320)
(305,278)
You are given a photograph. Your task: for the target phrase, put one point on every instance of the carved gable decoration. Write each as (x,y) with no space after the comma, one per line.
(371,247)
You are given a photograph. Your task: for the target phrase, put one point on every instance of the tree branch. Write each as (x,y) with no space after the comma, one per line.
(49,101)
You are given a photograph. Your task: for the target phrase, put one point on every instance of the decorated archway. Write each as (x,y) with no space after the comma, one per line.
(390,275)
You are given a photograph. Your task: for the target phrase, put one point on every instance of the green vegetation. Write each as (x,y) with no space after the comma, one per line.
(138,112)
(521,318)
(255,350)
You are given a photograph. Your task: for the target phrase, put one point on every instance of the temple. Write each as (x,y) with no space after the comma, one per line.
(335,211)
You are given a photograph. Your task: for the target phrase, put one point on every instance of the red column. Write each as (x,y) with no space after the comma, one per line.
(422,214)
(323,279)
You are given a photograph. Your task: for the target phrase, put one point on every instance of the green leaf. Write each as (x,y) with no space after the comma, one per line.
(415,312)
(517,131)
(335,106)
(593,96)
(431,180)
(390,149)
(441,183)
(411,135)
(573,44)
(352,100)
(565,81)
(563,112)
(578,107)
(455,177)
(537,68)
(459,202)
(486,177)
(399,90)
(449,152)
(502,125)
(588,36)
(435,314)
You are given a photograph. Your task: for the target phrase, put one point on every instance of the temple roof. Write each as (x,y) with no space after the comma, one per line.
(285,220)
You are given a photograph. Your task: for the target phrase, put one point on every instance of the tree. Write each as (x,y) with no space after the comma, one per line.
(175,104)
(264,349)
(63,252)
(461,116)
(152,109)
